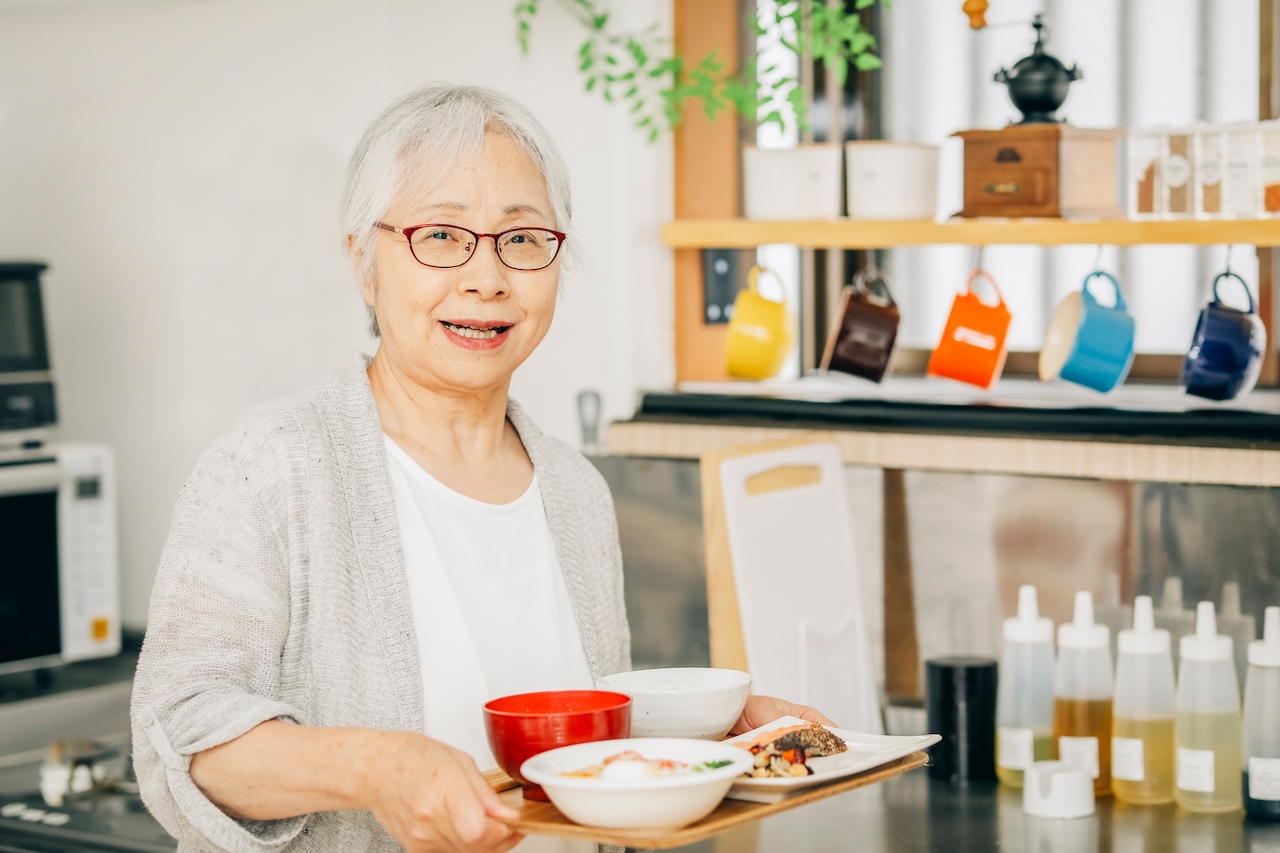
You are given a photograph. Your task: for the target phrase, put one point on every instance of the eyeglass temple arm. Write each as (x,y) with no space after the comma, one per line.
(385,227)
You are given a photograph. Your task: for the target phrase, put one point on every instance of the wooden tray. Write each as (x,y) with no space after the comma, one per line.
(546,819)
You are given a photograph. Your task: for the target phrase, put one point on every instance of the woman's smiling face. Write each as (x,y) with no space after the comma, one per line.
(467,328)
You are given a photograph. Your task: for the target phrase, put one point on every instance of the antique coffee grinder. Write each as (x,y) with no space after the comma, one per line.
(1038,83)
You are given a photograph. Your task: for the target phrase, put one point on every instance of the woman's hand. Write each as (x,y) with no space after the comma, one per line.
(765,709)
(431,797)
(428,796)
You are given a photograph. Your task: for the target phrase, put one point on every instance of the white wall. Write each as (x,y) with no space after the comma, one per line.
(179,165)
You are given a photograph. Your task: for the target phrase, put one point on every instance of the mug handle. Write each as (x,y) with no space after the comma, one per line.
(753,282)
(863,278)
(973,276)
(1229,274)
(1120,303)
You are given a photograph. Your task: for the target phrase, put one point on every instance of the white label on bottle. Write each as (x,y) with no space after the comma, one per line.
(1195,770)
(1017,749)
(1264,778)
(1079,753)
(1127,759)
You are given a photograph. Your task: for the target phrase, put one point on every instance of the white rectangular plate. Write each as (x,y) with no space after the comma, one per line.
(865,752)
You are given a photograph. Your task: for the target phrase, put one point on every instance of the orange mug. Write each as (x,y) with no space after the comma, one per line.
(972,349)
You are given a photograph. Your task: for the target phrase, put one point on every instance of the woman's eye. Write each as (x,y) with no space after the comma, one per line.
(439,235)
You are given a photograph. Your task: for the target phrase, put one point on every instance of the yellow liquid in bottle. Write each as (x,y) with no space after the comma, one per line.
(1220,733)
(1042,750)
(1157,758)
(1086,718)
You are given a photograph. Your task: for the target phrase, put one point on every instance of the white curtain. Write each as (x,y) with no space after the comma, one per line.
(1145,63)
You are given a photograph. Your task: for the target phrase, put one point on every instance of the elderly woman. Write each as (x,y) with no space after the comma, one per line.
(351,573)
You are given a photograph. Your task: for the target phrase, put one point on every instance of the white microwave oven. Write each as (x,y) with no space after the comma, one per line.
(59,576)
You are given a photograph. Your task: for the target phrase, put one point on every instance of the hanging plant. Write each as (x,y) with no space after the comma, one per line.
(638,69)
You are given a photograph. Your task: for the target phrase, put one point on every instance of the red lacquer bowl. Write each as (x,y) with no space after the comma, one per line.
(521,726)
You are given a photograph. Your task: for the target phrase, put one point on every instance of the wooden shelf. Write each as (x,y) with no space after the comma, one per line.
(1101,460)
(879,234)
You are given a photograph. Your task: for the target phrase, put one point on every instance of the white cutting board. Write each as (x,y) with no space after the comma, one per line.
(797,582)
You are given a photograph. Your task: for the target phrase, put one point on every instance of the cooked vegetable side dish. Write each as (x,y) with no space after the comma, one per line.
(785,752)
(631,766)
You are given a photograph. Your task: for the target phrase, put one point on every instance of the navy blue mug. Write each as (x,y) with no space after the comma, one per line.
(1226,350)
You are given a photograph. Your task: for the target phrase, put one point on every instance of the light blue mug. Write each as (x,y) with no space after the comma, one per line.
(1089,343)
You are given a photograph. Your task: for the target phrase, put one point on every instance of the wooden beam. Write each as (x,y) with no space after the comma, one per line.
(882,234)
(707,181)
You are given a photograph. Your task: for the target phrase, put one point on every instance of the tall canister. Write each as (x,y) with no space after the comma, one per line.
(1024,703)
(1208,731)
(1262,722)
(1142,731)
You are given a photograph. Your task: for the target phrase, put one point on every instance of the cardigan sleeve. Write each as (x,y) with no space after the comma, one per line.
(210,665)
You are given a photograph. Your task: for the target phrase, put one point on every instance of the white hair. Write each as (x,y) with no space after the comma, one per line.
(420,138)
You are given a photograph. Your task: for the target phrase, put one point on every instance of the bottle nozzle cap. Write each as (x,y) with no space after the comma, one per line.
(1081,632)
(1144,619)
(1266,652)
(1028,606)
(1083,613)
(1172,597)
(1144,638)
(1028,626)
(1206,620)
(1206,643)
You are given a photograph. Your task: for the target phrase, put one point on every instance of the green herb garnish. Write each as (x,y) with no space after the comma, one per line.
(712,765)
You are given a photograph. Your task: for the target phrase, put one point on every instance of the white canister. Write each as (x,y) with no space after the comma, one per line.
(892,180)
(791,183)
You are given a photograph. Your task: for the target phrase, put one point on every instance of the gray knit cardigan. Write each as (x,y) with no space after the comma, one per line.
(281,594)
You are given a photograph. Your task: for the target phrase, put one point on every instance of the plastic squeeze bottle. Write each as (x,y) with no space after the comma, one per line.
(1207,731)
(1142,732)
(1262,722)
(1238,626)
(1082,695)
(1024,698)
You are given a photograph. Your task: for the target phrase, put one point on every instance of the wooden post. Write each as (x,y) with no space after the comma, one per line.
(901,646)
(707,181)
(1268,108)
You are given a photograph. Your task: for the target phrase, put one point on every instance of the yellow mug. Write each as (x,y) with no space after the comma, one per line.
(759,336)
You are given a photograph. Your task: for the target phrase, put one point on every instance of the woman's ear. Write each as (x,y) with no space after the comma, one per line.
(359,271)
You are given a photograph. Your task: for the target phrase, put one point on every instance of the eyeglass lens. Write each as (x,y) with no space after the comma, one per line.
(447,246)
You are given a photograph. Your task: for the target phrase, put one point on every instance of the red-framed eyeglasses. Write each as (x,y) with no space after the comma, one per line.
(444,247)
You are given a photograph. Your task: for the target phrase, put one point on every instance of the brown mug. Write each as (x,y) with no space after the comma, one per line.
(862,343)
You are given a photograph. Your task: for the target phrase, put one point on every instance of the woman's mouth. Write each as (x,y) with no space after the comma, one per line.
(475,334)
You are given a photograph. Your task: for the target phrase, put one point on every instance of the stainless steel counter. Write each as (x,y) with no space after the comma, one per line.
(914,814)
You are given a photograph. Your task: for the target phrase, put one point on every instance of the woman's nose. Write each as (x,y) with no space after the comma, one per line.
(485,275)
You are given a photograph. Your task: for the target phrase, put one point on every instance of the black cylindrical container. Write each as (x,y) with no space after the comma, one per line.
(960,695)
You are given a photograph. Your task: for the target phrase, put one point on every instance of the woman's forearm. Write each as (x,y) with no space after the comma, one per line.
(279,770)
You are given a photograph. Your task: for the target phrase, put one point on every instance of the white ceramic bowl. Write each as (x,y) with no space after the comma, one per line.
(697,702)
(640,804)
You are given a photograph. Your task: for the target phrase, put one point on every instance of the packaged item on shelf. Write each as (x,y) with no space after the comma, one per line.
(1208,732)
(1082,690)
(1241,184)
(1177,174)
(1042,170)
(1269,167)
(1024,702)
(1171,616)
(1240,627)
(1142,732)
(972,349)
(1261,776)
(1209,165)
(1144,174)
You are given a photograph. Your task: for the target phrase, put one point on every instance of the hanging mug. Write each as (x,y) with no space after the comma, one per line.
(1089,343)
(759,336)
(1226,349)
(862,343)
(972,349)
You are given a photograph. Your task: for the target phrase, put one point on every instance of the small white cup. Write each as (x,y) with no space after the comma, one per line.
(1051,789)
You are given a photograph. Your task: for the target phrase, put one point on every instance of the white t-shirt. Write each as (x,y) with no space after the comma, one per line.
(490,606)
